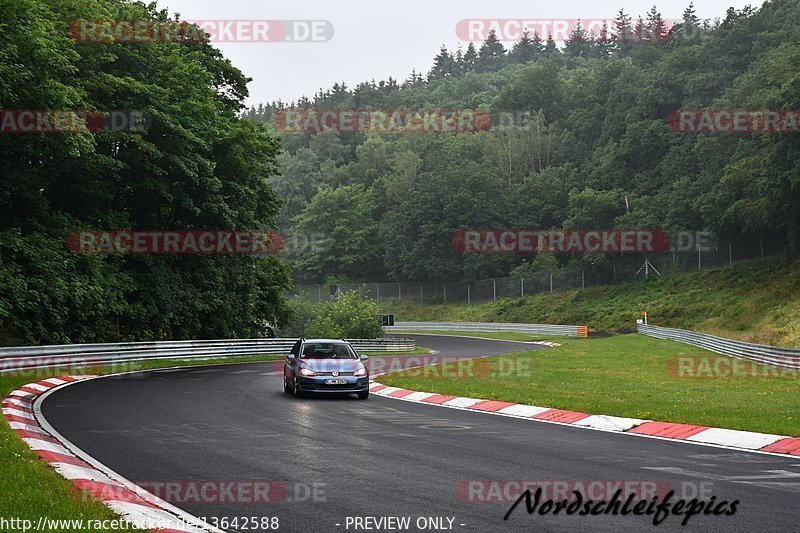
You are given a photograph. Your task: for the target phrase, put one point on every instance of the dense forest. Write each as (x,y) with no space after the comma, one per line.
(596,150)
(197,165)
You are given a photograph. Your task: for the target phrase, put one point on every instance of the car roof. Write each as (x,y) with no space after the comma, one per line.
(325,341)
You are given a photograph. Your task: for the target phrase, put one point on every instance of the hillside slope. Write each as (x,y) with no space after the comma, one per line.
(755,301)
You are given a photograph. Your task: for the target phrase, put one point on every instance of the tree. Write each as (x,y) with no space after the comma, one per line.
(470,59)
(348,317)
(604,44)
(579,43)
(346,235)
(492,54)
(656,29)
(527,49)
(690,29)
(196,165)
(550,47)
(298,182)
(444,64)
(624,34)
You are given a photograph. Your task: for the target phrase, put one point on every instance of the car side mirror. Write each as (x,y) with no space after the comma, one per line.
(364,357)
(291,356)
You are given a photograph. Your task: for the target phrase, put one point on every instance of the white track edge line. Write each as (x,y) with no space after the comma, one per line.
(147,496)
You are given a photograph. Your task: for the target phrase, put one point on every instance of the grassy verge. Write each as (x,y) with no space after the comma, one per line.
(755,301)
(29,487)
(633,376)
(497,335)
(419,350)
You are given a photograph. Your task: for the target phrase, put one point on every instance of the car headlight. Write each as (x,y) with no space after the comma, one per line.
(361,371)
(307,372)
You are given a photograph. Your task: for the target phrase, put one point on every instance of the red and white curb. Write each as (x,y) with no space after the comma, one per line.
(21,409)
(729,438)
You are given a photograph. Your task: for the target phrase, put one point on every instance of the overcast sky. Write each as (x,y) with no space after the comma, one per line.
(378,39)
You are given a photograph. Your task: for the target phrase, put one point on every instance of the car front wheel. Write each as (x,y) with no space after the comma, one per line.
(363,395)
(296,388)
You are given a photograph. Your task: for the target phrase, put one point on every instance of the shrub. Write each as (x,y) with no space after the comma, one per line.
(350,317)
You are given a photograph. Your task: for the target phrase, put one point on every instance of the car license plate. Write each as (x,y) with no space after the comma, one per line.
(335,382)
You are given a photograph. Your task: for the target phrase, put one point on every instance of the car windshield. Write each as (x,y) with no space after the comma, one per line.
(327,351)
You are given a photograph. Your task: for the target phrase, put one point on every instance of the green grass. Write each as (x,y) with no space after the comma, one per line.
(756,301)
(29,488)
(498,335)
(419,350)
(626,375)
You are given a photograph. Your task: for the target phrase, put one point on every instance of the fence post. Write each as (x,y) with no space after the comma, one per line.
(699,258)
(730,254)
(444,285)
(399,292)
(421,294)
(522,287)
(551,282)
(319,294)
(583,281)
(761,245)
(469,297)
(494,290)
(378,292)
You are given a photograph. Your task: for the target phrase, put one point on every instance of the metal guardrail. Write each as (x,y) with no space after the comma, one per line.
(32,357)
(541,329)
(761,353)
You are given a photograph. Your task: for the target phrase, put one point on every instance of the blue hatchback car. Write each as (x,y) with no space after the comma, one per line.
(325,366)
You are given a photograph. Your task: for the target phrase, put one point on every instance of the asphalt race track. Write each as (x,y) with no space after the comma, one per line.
(385,457)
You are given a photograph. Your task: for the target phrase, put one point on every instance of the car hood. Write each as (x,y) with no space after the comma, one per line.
(329,365)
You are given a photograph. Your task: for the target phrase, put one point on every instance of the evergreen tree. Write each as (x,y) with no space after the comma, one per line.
(656,29)
(550,47)
(470,59)
(604,44)
(579,44)
(492,54)
(623,35)
(691,30)
(444,64)
(527,49)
